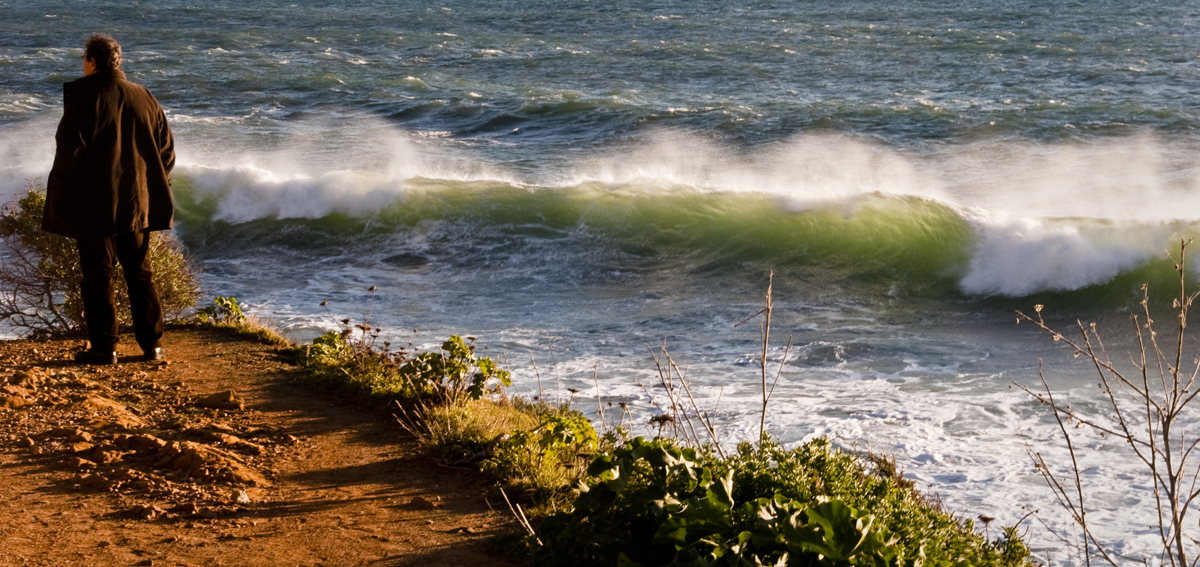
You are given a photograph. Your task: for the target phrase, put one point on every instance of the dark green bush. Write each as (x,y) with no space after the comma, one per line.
(816,469)
(654,503)
(39,273)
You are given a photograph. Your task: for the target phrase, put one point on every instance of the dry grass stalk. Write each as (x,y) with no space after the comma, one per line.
(520,516)
(705,421)
(599,403)
(765,337)
(537,373)
(665,379)
(765,328)
(683,382)
(557,379)
(1160,390)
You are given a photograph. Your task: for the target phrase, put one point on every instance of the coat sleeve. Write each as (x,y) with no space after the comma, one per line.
(71,143)
(166,143)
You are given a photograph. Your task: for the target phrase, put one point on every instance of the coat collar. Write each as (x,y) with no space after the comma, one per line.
(94,79)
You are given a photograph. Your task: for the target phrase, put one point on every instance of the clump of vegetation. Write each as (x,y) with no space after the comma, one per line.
(452,373)
(227,313)
(657,503)
(816,470)
(223,311)
(453,401)
(40,274)
(540,464)
(533,452)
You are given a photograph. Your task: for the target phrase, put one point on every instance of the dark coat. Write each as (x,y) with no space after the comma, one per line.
(112,168)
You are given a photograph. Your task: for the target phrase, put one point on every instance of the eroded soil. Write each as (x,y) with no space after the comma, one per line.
(214,457)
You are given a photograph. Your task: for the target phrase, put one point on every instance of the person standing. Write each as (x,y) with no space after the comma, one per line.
(109,187)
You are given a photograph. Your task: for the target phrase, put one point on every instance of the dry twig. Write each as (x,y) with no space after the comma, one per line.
(1148,407)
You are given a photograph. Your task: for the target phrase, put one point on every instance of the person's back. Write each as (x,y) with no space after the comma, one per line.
(112,166)
(110,186)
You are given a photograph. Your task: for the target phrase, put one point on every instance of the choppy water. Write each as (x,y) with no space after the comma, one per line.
(581,180)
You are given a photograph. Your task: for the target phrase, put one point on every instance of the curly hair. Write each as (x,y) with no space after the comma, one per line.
(104,50)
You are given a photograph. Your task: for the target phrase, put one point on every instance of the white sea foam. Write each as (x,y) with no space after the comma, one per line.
(806,171)
(1045,216)
(1017,256)
(26,153)
(1141,177)
(1020,245)
(295,196)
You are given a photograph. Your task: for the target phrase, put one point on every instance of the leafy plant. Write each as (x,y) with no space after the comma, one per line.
(696,521)
(452,372)
(40,274)
(544,461)
(224,310)
(655,503)
(328,349)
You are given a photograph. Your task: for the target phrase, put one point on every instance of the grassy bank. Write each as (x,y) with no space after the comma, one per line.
(612,499)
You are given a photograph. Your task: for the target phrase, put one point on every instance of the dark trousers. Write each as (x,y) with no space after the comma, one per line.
(97,259)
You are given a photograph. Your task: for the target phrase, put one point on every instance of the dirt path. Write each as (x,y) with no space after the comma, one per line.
(119,465)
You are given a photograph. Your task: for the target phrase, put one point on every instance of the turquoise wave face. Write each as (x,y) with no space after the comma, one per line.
(873,237)
(874,247)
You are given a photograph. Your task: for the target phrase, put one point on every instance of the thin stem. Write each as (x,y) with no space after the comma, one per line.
(766,338)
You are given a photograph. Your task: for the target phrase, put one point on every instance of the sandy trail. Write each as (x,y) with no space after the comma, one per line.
(340,485)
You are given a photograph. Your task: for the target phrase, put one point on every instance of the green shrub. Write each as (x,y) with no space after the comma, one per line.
(334,361)
(223,311)
(816,470)
(341,358)
(654,503)
(40,275)
(452,372)
(539,464)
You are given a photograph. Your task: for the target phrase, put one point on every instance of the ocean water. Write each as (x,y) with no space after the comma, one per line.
(579,183)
